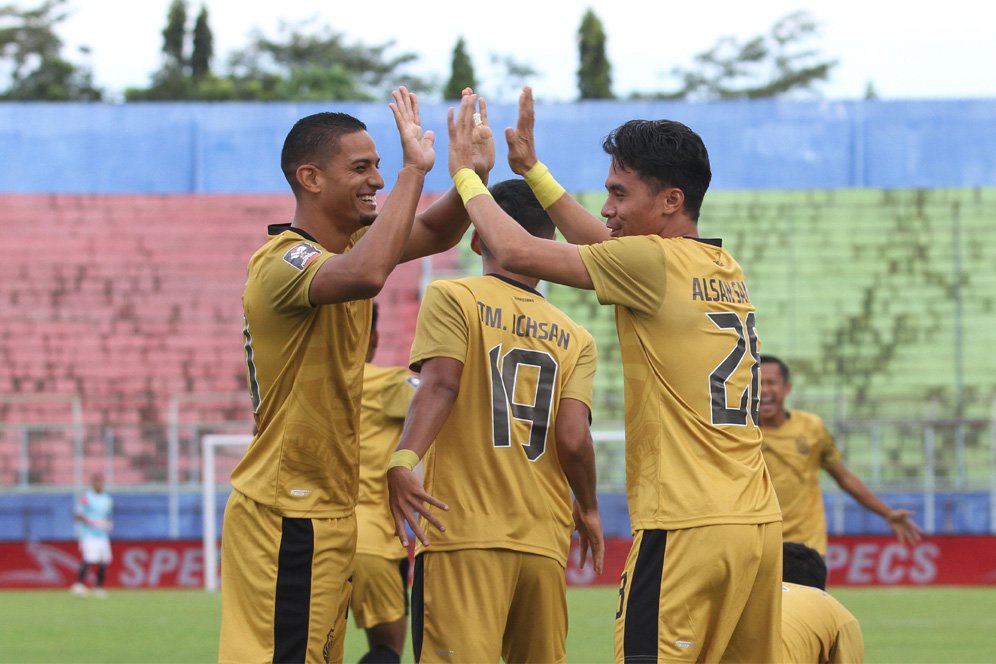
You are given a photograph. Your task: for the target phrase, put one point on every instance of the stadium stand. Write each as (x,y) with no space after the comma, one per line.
(130,302)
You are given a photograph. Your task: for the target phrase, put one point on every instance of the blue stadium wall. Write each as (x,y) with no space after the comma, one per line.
(235,147)
(144,516)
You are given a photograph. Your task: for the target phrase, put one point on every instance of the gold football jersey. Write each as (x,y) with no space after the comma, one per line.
(387,391)
(305,372)
(818,628)
(689,346)
(495,460)
(794,454)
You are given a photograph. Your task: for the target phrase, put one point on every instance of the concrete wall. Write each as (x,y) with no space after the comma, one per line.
(235,147)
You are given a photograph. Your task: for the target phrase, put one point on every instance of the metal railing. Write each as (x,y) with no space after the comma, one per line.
(927,455)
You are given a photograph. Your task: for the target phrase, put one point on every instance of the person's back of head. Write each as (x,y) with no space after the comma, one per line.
(803,565)
(519,202)
(664,153)
(313,139)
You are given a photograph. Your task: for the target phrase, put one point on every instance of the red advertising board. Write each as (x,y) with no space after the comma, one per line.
(852,561)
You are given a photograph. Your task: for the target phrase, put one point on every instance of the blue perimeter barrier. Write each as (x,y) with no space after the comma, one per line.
(144,516)
(235,147)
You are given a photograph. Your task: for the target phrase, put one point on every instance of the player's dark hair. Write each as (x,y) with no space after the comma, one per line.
(803,565)
(312,139)
(781,365)
(519,202)
(373,318)
(664,153)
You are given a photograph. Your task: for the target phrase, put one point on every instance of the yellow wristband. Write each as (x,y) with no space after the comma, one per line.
(468,184)
(405,458)
(547,190)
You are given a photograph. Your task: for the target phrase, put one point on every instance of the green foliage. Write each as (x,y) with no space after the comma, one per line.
(317,63)
(175,33)
(594,71)
(514,75)
(774,65)
(200,58)
(462,72)
(31,57)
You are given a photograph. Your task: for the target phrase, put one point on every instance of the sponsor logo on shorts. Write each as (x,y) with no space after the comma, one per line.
(300,255)
(681,643)
(443,652)
(300,493)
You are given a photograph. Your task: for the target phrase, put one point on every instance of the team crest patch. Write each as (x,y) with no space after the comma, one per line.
(802,445)
(301,254)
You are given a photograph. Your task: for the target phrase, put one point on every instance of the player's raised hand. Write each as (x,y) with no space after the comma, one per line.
(416,145)
(521,142)
(589,526)
(484,140)
(408,497)
(461,133)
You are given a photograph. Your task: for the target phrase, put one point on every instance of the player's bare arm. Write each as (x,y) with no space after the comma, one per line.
(439,385)
(900,521)
(361,272)
(572,219)
(514,248)
(444,222)
(577,459)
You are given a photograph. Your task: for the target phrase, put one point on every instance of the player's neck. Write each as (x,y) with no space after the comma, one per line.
(492,267)
(776,420)
(679,225)
(333,234)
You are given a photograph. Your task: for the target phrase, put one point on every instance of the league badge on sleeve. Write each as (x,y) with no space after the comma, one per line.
(301,254)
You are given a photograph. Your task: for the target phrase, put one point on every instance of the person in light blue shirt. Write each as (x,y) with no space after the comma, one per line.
(94,511)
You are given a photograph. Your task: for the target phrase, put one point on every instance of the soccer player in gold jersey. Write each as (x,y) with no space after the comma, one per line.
(379,601)
(796,445)
(816,628)
(290,530)
(501,417)
(703,578)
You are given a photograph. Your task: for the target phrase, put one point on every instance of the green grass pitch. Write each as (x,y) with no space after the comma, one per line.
(900,625)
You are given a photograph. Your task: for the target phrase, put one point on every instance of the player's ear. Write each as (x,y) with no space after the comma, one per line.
(309,178)
(475,243)
(671,200)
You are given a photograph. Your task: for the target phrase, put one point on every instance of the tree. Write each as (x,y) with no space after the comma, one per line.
(200,59)
(175,34)
(779,64)
(306,61)
(594,71)
(513,75)
(461,72)
(31,57)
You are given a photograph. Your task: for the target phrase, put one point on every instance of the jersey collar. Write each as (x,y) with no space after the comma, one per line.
(277,229)
(714,241)
(517,284)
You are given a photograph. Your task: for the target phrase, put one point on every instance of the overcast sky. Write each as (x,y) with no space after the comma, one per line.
(907,50)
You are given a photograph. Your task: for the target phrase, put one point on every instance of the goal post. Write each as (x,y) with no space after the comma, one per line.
(609,457)
(209,491)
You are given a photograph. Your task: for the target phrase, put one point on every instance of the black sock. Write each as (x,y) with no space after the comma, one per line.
(81,577)
(101,573)
(381,655)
